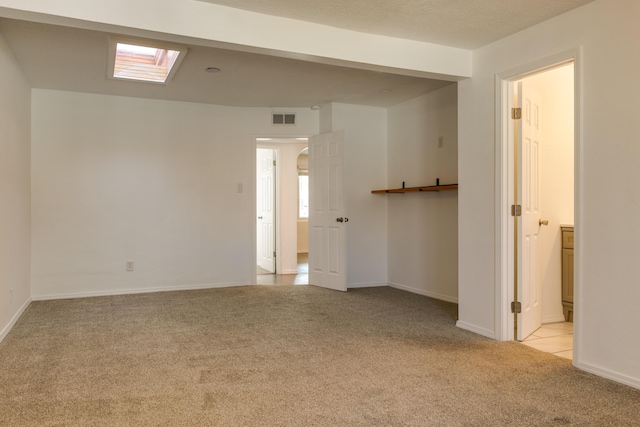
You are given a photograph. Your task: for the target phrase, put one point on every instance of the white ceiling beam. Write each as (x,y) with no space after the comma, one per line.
(212,25)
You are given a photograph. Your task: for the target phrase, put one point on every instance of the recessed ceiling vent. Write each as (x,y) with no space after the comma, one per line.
(283,119)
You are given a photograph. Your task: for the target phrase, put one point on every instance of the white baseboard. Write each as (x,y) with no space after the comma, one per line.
(553,318)
(429,294)
(475,329)
(134,291)
(608,374)
(366,285)
(289,272)
(5,331)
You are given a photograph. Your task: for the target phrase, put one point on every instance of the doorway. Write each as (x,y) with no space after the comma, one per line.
(535,259)
(277,212)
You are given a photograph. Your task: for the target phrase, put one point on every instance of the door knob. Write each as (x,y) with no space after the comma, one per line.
(259,217)
(543,222)
(340,219)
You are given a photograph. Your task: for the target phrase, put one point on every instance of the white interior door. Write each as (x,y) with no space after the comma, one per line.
(327,220)
(529,283)
(265,209)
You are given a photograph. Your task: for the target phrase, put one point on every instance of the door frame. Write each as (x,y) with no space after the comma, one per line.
(504,227)
(260,141)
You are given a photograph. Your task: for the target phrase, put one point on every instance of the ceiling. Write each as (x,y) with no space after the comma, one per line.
(73,59)
(466,24)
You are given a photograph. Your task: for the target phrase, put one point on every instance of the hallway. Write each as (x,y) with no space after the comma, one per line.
(302,278)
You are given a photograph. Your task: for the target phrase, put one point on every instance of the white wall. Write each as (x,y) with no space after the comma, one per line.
(15,203)
(289,206)
(303,236)
(117,179)
(423,227)
(607,235)
(555,88)
(365,130)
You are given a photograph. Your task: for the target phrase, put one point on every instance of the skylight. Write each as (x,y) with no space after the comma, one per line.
(147,62)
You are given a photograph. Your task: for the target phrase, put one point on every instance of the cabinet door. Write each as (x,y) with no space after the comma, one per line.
(567,275)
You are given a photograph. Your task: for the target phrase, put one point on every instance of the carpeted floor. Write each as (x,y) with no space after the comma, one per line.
(285,356)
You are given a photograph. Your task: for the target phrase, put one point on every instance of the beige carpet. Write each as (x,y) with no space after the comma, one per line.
(285,356)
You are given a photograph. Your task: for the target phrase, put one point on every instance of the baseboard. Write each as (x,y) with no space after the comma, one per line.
(556,318)
(429,294)
(473,328)
(366,285)
(13,320)
(134,291)
(608,374)
(289,272)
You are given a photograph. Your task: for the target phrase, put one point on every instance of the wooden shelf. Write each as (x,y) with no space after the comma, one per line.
(417,189)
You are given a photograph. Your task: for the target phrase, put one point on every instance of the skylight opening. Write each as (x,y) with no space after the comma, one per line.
(143,62)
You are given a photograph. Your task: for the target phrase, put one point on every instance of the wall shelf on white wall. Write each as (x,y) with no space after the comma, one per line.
(417,189)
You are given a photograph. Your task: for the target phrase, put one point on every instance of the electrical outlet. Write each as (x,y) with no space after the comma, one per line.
(129,265)
(440,141)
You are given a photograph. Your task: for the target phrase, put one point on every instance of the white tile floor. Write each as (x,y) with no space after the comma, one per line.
(556,338)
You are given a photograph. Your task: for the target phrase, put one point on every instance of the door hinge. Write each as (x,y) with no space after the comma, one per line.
(516,307)
(516,210)
(274,163)
(516,113)
(274,254)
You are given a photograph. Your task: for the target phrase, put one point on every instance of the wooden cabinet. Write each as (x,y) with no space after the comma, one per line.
(567,272)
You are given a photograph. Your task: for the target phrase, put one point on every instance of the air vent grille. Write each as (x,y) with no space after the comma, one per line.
(284,119)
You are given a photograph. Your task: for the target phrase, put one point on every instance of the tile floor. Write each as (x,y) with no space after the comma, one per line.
(556,338)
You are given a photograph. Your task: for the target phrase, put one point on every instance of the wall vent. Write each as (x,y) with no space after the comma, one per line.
(283,119)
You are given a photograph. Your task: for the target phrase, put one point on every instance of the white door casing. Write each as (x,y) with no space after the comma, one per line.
(327,216)
(504,183)
(265,209)
(529,283)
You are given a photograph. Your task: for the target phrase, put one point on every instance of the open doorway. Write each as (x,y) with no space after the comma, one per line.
(302,241)
(546,187)
(281,254)
(537,196)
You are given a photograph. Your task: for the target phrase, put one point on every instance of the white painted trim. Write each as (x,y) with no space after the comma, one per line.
(366,285)
(611,375)
(473,328)
(429,294)
(254,211)
(579,212)
(136,291)
(503,246)
(502,263)
(14,320)
(289,272)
